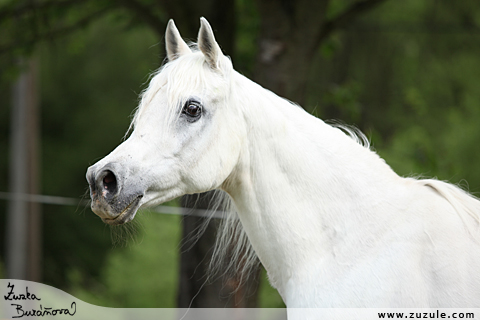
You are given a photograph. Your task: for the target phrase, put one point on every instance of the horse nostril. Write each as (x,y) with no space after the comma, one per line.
(110,182)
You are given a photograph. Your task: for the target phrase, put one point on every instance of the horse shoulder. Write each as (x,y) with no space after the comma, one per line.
(446,236)
(426,257)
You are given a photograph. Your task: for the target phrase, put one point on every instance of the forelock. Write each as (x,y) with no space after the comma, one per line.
(186,76)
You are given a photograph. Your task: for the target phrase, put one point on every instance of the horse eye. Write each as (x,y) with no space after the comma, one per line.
(192,109)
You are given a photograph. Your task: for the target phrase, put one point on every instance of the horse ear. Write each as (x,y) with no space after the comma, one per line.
(207,44)
(174,43)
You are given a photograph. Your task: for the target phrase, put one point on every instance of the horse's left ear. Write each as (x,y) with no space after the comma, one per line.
(208,45)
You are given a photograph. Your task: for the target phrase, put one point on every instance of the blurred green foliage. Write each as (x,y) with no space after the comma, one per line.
(144,274)
(406,74)
(89,87)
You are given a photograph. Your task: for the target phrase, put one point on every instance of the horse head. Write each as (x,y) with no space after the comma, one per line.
(186,137)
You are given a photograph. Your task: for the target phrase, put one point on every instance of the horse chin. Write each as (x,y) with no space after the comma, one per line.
(126,215)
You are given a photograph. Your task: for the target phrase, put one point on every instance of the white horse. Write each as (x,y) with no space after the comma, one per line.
(331,222)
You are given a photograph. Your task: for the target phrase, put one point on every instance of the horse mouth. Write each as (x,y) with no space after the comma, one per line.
(126,215)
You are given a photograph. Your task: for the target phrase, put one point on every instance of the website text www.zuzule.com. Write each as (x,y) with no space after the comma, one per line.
(426,315)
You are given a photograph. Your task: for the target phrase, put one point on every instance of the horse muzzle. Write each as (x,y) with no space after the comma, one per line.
(112,200)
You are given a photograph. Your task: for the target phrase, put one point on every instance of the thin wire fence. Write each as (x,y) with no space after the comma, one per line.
(65,201)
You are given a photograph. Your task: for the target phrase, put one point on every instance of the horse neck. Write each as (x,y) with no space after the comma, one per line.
(299,183)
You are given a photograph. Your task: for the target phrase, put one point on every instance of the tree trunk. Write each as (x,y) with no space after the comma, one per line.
(287,43)
(290,34)
(195,289)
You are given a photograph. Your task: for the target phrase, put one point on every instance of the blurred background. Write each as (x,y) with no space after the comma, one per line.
(405,72)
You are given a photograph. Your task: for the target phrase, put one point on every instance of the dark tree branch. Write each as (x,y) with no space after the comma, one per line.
(12,10)
(60,31)
(146,15)
(16,11)
(345,18)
